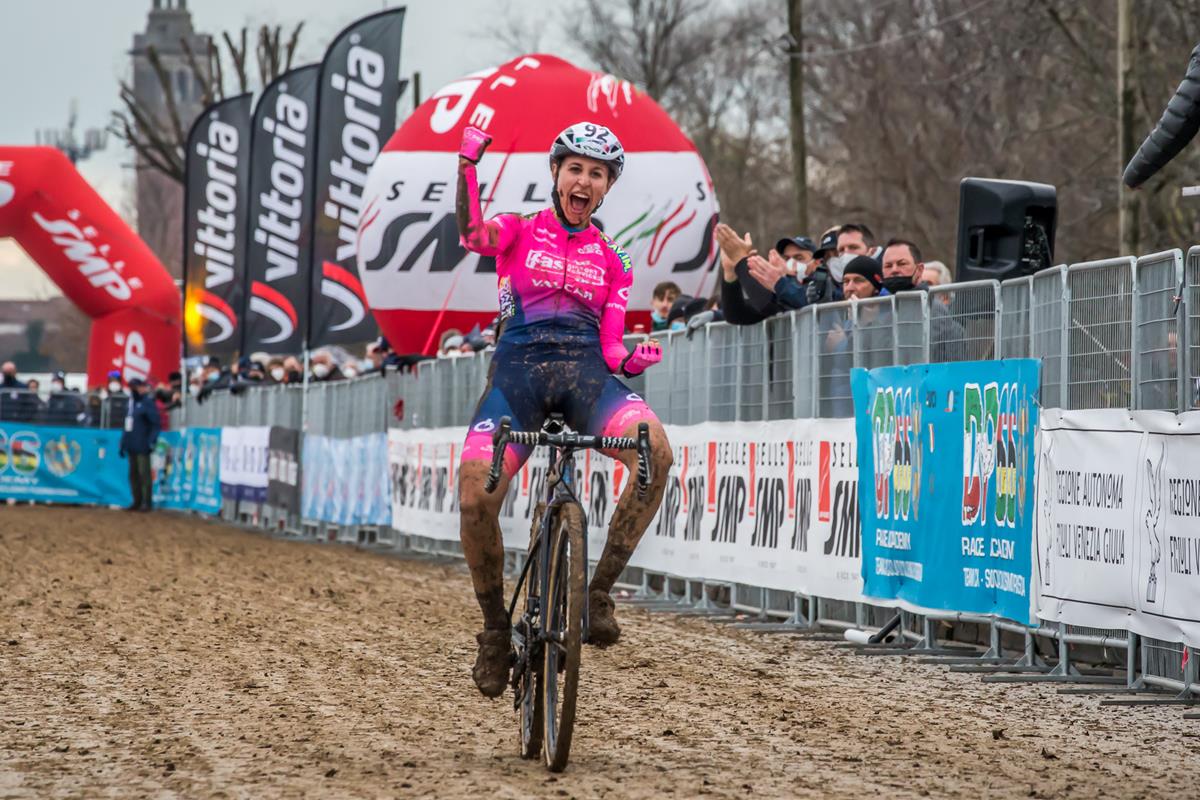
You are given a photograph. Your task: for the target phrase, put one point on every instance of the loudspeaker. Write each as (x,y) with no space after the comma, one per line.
(1005,228)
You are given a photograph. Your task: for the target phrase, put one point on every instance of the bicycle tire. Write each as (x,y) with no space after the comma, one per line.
(528,686)
(563,609)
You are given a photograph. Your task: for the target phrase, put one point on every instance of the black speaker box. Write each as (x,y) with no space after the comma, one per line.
(1005,228)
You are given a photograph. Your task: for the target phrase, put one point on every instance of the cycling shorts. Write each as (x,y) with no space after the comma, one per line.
(527,383)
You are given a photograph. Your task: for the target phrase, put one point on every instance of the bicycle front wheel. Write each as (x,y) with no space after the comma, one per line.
(563,608)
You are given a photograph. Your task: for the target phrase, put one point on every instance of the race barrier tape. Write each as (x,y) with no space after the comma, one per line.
(1118,521)
(946,493)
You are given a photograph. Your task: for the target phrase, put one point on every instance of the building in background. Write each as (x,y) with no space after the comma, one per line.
(159,198)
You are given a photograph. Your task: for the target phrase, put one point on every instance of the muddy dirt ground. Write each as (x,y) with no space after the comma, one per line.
(160,656)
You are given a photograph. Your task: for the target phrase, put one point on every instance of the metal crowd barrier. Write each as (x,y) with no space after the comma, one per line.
(64,409)
(1117,333)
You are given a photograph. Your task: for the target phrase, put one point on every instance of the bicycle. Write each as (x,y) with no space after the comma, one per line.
(547,638)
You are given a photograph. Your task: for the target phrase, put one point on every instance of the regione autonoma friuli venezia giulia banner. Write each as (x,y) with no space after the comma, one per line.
(418,277)
(772,504)
(946,461)
(1118,521)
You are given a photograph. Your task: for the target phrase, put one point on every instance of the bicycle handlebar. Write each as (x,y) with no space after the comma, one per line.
(505,435)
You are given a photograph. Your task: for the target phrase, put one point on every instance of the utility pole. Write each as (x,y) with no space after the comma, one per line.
(796,90)
(1126,52)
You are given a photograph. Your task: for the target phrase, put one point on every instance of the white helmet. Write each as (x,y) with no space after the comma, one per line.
(590,140)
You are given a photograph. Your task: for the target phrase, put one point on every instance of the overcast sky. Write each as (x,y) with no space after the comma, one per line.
(56,50)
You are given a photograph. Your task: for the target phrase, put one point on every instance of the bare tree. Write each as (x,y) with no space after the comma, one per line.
(159,138)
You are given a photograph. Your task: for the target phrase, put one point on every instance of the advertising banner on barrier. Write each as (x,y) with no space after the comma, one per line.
(345,481)
(283,469)
(945,456)
(770,503)
(62,465)
(244,462)
(187,467)
(1118,525)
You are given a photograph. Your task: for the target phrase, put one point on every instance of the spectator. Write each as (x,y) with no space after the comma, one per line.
(276,373)
(33,385)
(8,376)
(451,346)
(862,279)
(661,301)
(937,274)
(785,269)
(855,239)
(903,271)
(293,372)
(324,368)
(35,406)
(58,382)
(682,310)
(142,426)
(821,286)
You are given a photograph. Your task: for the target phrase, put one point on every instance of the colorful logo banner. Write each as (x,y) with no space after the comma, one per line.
(946,464)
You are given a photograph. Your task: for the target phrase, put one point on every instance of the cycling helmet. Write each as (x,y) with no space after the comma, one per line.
(592,141)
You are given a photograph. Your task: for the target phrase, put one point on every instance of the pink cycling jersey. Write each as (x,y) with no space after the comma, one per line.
(553,283)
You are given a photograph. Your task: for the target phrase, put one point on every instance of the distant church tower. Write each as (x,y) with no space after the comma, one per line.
(159,199)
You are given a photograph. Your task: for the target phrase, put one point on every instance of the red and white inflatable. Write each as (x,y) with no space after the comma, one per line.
(97,261)
(417,278)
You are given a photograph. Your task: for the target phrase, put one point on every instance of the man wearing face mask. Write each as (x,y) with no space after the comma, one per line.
(902,272)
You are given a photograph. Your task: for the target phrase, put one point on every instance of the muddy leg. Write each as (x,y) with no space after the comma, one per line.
(633,514)
(482,542)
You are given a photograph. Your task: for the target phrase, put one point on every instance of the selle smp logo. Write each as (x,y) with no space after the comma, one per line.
(278,228)
(360,86)
(895,431)
(76,244)
(216,236)
(994,452)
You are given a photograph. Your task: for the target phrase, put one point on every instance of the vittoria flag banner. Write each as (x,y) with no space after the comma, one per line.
(216,195)
(417,276)
(359,89)
(279,249)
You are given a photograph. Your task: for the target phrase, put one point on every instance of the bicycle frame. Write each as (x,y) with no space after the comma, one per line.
(560,489)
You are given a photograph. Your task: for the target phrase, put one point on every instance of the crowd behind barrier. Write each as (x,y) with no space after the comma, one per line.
(1120,333)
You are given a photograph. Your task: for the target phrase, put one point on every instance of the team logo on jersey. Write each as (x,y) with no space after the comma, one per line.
(616,248)
(592,249)
(484,426)
(541,261)
(508,305)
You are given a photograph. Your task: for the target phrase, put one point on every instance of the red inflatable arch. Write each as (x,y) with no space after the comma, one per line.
(97,261)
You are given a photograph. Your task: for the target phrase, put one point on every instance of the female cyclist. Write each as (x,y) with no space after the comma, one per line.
(563,287)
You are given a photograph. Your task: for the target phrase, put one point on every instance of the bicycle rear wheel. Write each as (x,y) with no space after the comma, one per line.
(527,683)
(563,607)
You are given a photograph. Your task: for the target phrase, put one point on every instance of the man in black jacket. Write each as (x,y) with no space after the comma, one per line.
(1179,123)
(142,426)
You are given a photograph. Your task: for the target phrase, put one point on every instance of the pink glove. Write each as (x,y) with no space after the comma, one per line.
(646,354)
(474,142)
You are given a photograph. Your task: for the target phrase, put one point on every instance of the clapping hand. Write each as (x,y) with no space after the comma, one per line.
(733,249)
(767,271)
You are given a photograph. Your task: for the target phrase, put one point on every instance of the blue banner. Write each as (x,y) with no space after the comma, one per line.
(346,481)
(62,465)
(187,470)
(945,460)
